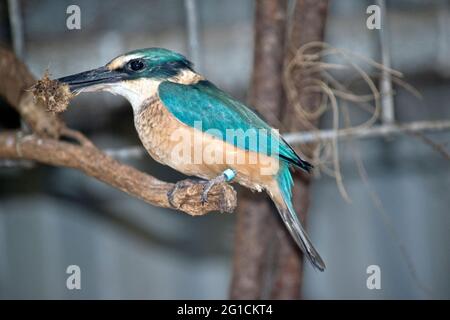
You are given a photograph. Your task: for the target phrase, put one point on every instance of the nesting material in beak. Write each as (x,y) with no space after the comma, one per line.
(53,94)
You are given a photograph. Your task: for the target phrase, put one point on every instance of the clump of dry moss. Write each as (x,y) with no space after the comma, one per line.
(54,95)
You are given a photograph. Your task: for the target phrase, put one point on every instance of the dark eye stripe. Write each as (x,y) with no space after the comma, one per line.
(136,64)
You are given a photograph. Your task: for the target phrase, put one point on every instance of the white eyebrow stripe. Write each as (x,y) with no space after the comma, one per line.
(133,56)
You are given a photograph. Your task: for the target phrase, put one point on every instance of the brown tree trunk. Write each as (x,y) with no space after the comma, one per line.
(267,263)
(256,219)
(308,25)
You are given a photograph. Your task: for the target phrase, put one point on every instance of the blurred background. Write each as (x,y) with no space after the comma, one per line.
(51,218)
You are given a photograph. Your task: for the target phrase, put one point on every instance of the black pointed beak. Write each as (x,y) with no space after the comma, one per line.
(90,78)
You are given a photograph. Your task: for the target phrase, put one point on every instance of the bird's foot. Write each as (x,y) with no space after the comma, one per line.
(179,185)
(226,176)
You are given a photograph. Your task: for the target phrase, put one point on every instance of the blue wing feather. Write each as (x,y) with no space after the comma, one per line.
(218,112)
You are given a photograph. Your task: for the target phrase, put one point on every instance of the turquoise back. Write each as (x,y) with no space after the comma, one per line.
(206,105)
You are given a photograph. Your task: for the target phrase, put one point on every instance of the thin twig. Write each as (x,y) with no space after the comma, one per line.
(440,148)
(387,221)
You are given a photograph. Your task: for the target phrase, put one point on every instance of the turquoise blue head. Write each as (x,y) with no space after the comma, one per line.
(150,63)
(135,75)
(157,63)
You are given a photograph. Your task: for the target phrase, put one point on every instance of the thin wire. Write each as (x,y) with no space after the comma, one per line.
(193,32)
(387,100)
(18,39)
(16,24)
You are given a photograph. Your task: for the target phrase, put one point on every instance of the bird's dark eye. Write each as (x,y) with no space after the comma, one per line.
(136,65)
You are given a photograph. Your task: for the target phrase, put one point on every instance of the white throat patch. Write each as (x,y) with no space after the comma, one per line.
(135,91)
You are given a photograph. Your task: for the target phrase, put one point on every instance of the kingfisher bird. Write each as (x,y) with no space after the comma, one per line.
(179,115)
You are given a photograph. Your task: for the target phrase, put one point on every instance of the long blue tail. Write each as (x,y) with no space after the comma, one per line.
(290,219)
